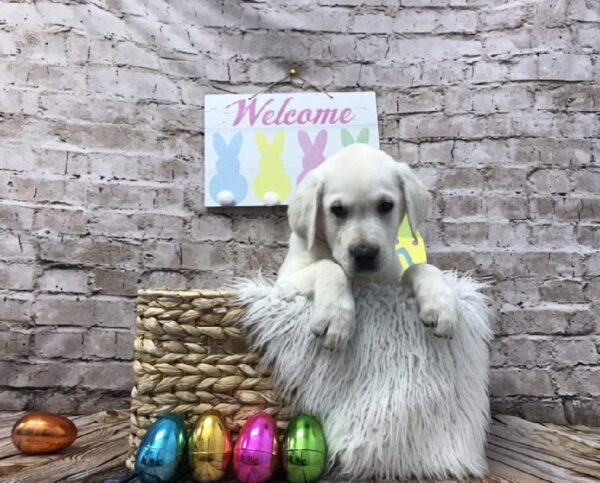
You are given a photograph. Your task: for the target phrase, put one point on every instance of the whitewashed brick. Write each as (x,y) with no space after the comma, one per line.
(101,161)
(17,276)
(59,280)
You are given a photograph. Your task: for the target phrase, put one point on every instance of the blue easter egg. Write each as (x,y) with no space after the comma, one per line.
(162,451)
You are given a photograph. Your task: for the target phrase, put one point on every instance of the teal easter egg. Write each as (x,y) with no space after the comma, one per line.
(162,450)
(304,450)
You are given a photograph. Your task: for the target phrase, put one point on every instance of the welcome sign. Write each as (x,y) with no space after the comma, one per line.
(257,149)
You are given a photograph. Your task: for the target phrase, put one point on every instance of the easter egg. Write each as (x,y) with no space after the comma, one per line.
(304,451)
(39,433)
(210,447)
(256,449)
(162,450)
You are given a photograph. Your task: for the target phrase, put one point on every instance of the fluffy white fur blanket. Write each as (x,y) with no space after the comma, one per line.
(398,402)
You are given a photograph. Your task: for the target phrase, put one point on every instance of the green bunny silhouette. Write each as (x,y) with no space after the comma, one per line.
(347,139)
(272,176)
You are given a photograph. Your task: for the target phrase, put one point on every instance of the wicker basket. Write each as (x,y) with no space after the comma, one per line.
(190,357)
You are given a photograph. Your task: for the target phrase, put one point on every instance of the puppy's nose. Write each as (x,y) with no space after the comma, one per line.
(365,257)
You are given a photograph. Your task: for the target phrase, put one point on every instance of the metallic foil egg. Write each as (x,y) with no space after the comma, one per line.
(256,449)
(304,450)
(162,450)
(210,448)
(39,433)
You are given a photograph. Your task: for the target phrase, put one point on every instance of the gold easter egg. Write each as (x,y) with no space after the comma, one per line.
(210,447)
(39,433)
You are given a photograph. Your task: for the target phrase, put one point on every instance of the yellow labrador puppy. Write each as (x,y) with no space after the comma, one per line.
(344,221)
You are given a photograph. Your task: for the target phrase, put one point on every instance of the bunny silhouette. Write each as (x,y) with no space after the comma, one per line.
(228,180)
(410,249)
(271,178)
(313,152)
(363,137)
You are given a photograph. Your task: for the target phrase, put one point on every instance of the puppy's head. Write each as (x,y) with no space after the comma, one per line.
(352,205)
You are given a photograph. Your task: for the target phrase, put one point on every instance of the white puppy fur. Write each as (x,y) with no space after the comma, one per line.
(344,220)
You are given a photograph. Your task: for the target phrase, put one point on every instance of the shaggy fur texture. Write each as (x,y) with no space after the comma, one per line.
(398,402)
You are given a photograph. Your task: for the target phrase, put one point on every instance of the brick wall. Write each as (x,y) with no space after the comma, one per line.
(101,135)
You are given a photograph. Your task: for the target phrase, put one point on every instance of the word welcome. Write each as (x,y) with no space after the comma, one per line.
(287,116)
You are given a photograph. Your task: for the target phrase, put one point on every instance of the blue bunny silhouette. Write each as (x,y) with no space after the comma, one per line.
(228,177)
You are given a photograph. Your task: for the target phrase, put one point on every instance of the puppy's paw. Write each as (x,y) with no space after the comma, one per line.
(439,312)
(334,323)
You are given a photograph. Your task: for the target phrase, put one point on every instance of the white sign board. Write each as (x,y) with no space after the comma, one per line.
(258,148)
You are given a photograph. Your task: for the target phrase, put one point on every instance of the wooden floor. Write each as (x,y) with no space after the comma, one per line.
(518,451)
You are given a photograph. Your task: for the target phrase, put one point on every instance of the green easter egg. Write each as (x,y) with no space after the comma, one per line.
(305,451)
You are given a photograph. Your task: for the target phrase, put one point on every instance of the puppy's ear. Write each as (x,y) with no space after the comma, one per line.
(303,212)
(417,199)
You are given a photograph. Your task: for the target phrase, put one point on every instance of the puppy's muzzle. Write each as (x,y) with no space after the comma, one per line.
(365,257)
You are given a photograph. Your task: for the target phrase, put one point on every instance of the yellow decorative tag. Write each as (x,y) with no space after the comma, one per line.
(410,251)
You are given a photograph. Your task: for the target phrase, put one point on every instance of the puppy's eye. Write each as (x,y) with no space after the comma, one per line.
(338,210)
(385,206)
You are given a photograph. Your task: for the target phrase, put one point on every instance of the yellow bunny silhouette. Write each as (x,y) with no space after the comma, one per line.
(410,247)
(272,177)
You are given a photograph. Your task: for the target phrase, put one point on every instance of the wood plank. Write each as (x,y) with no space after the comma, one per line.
(584,435)
(7,420)
(82,464)
(558,456)
(519,451)
(95,431)
(112,473)
(538,469)
(89,428)
(7,424)
(561,447)
(115,465)
(8,449)
(101,435)
(10,415)
(554,464)
(78,460)
(588,438)
(96,440)
(501,472)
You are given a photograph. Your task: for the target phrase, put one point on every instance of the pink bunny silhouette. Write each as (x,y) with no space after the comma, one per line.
(313,152)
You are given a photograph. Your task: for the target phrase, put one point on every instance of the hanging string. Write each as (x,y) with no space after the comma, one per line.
(289,78)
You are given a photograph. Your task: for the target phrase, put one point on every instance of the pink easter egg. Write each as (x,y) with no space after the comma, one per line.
(256,449)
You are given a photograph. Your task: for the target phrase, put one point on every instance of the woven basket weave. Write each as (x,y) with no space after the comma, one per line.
(190,357)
